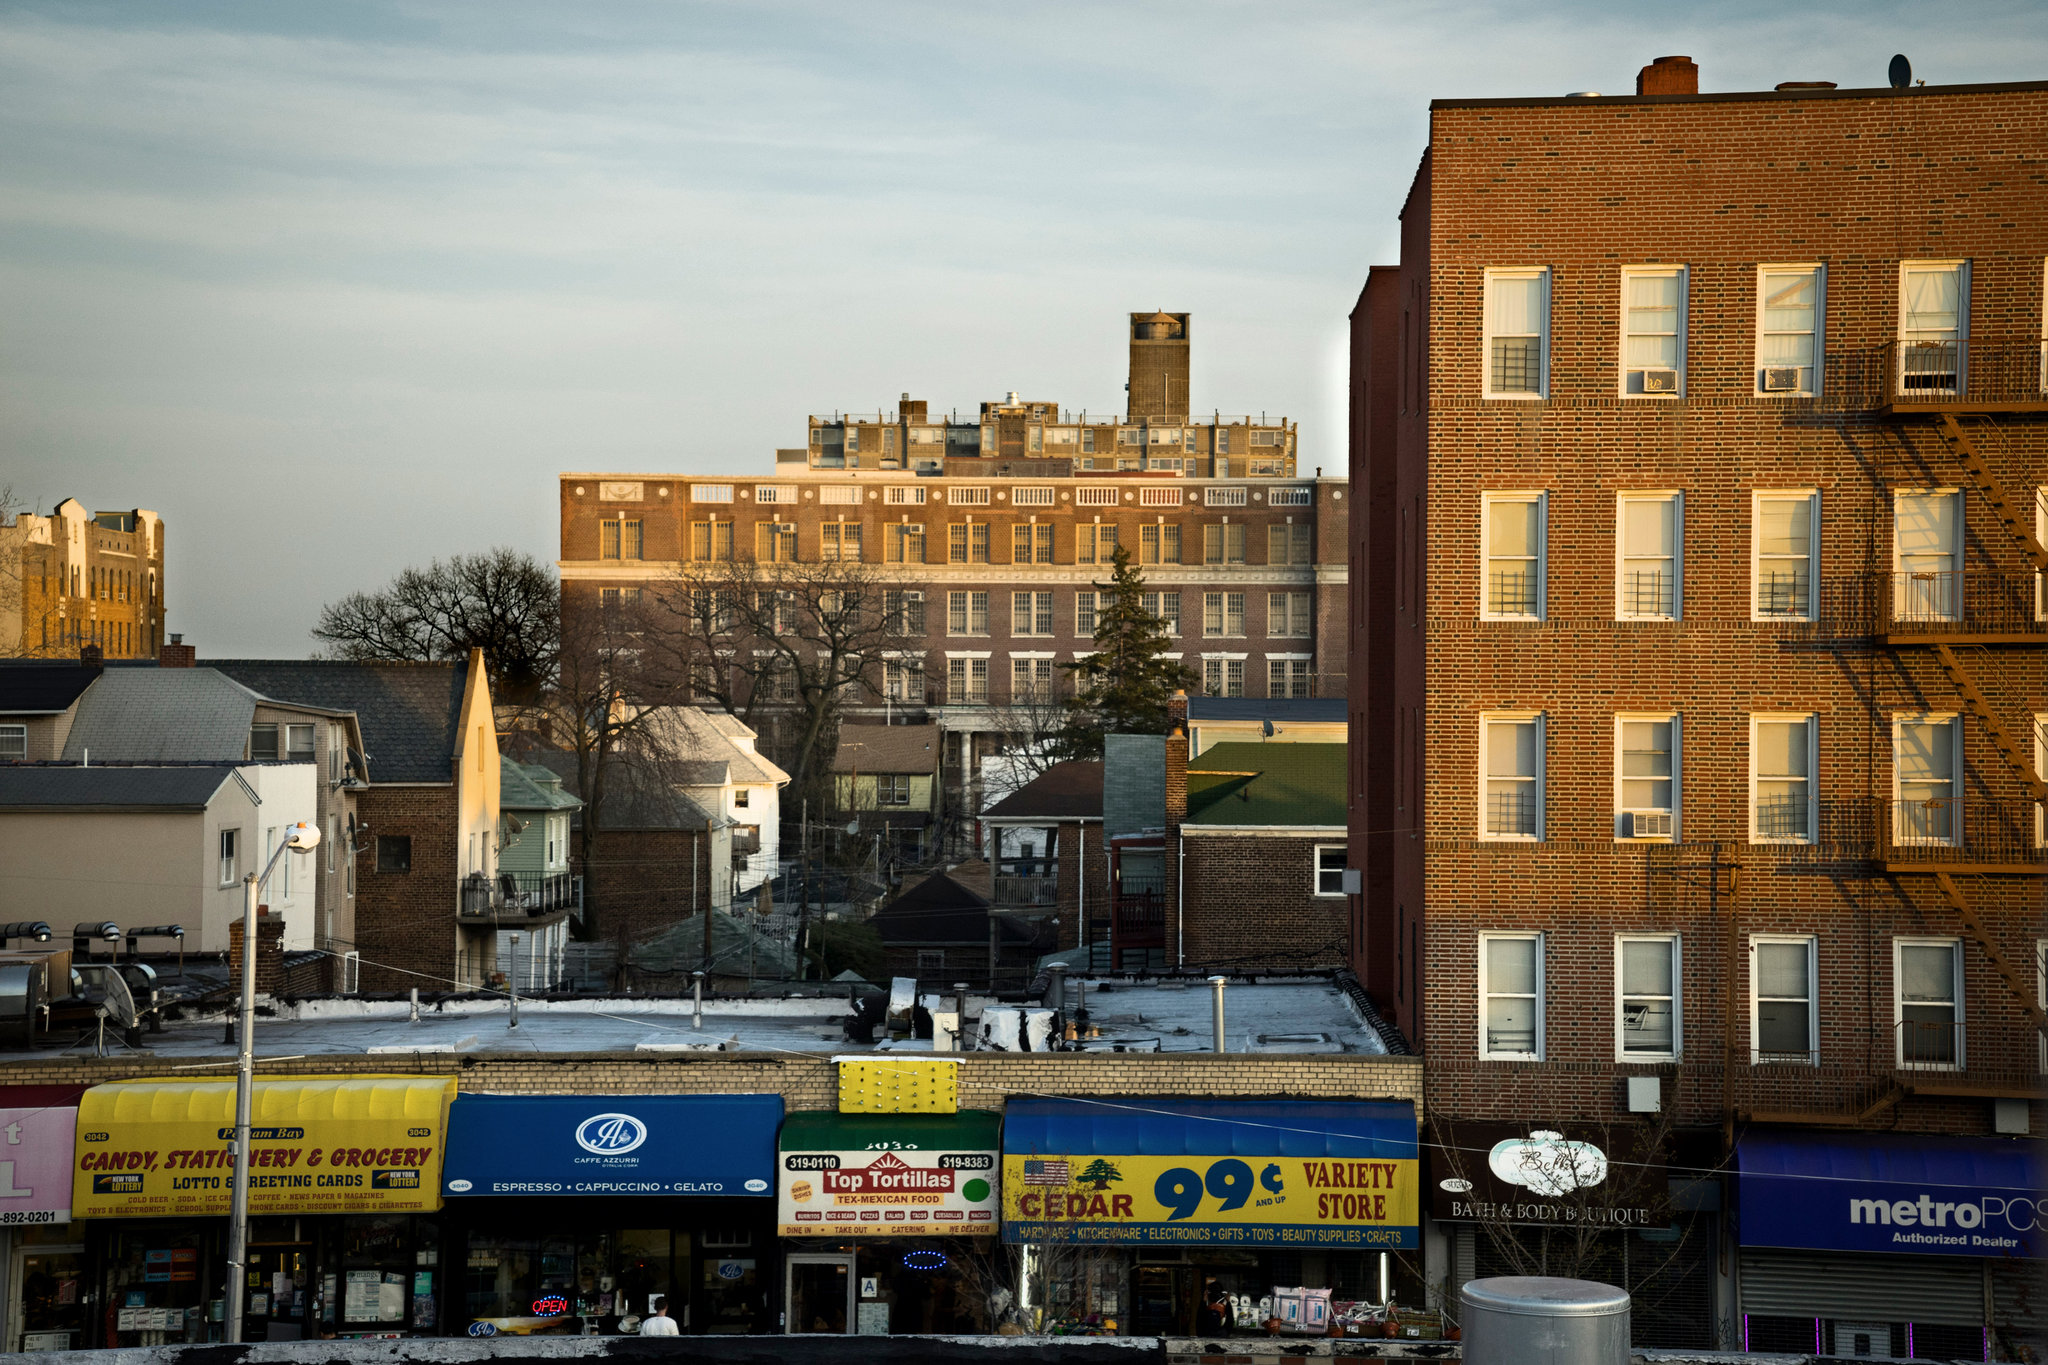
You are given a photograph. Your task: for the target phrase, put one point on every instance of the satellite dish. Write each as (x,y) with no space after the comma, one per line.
(1901,72)
(116,999)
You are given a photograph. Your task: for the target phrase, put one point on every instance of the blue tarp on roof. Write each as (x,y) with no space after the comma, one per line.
(1163,1127)
(1951,1196)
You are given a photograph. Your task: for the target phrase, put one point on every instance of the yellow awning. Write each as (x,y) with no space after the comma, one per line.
(356,1144)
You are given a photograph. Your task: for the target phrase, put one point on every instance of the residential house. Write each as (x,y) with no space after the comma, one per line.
(1046,855)
(940,931)
(711,758)
(425,842)
(534,816)
(887,777)
(147,844)
(38,701)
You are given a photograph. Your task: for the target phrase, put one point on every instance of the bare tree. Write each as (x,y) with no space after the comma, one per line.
(504,602)
(784,646)
(15,623)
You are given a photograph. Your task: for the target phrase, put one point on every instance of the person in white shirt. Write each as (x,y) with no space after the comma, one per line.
(659,1323)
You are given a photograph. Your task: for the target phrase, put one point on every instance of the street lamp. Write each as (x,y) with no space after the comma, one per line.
(300,838)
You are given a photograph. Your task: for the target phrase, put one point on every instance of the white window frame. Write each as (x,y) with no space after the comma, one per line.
(2041,532)
(1316,870)
(1811,385)
(1677,998)
(1947,604)
(1955,781)
(1086,606)
(18,734)
(1487,501)
(1486,389)
(1812,1056)
(1962,337)
(1676,500)
(1490,718)
(1677,770)
(1956,981)
(1812,721)
(230,864)
(1535,936)
(1757,498)
(1636,272)
(2041,771)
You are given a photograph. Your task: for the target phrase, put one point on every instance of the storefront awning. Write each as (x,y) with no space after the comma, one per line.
(358,1144)
(1284,1174)
(1882,1192)
(889,1175)
(597,1145)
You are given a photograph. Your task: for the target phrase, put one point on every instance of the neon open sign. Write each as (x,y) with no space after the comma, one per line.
(553,1306)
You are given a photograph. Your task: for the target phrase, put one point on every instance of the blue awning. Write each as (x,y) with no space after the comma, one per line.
(1914,1195)
(604,1145)
(1166,1127)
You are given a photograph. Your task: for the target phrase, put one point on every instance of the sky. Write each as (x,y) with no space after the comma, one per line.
(338,288)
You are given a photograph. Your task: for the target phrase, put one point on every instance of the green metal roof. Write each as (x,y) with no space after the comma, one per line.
(1267,784)
(970,1130)
(523,786)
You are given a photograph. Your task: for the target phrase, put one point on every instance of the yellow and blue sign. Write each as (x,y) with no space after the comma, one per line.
(1256,1173)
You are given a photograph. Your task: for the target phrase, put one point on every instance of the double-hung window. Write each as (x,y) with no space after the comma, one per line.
(1511,997)
(1223,543)
(892,789)
(1030,613)
(13,743)
(1287,614)
(1646,979)
(1330,865)
(1223,677)
(1653,331)
(1030,543)
(1084,613)
(1646,777)
(1784,536)
(966,613)
(298,743)
(1517,333)
(230,846)
(1512,534)
(906,543)
(903,680)
(1782,1024)
(1511,775)
(1927,779)
(967,542)
(966,680)
(1095,544)
(1927,1002)
(1782,754)
(1927,555)
(1934,326)
(263,742)
(1788,330)
(775,542)
(1649,556)
(1030,678)
(1287,677)
(839,540)
(1159,544)
(1290,544)
(711,540)
(1222,614)
(1165,606)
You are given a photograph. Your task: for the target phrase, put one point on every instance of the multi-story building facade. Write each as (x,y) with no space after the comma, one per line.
(993,545)
(78,578)
(1700,684)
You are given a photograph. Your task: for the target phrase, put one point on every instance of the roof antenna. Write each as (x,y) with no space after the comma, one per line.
(1901,73)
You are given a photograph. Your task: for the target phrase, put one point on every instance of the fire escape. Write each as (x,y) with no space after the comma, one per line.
(1966,620)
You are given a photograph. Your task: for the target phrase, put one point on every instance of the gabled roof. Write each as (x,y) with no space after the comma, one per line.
(694,743)
(71,788)
(1066,791)
(888,749)
(1268,784)
(163,715)
(523,786)
(32,687)
(1299,710)
(635,798)
(941,910)
(408,712)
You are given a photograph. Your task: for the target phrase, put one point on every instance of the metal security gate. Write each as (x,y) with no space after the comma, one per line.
(1813,1284)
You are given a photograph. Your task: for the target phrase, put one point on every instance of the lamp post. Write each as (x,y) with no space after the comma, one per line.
(300,838)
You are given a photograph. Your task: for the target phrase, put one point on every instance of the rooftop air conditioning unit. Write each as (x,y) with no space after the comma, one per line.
(1660,381)
(1781,378)
(1647,824)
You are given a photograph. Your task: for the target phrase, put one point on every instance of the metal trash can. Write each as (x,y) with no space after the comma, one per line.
(1538,1320)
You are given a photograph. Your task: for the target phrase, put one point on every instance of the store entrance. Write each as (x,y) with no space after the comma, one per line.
(1162,1300)
(819,1292)
(278,1303)
(52,1302)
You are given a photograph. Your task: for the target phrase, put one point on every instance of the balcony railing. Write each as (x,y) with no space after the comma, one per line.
(1930,1044)
(1923,602)
(1964,373)
(519,895)
(1025,893)
(1963,830)
(1138,912)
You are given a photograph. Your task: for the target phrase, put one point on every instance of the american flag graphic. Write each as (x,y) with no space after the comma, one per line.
(1047,1173)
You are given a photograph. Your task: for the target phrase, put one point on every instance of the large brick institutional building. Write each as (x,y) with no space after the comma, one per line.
(992,531)
(1699,684)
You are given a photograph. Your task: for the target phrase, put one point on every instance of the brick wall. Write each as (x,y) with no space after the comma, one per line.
(638,882)
(1251,904)
(1857,183)
(406,920)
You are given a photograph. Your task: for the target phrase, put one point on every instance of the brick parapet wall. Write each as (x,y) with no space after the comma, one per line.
(1251,904)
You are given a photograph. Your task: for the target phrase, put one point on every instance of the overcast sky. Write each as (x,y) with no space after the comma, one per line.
(337,288)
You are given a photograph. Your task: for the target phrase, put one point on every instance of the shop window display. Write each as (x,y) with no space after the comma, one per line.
(162,1286)
(52,1299)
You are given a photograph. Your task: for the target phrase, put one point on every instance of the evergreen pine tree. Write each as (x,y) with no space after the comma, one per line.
(1125,685)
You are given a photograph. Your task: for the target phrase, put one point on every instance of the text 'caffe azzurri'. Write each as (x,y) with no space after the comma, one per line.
(647,1197)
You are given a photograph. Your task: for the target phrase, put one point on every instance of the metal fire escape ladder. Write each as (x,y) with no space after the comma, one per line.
(2021,988)
(2003,507)
(2019,759)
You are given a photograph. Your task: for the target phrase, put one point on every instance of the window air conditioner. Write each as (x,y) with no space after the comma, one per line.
(1647,824)
(1660,381)
(1781,378)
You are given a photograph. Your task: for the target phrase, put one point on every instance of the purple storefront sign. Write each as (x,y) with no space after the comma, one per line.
(35,1163)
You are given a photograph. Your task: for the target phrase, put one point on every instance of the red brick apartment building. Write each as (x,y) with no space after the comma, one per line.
(1699,683)
(993,529)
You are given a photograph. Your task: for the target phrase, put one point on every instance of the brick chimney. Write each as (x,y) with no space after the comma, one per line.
(1176,761)
(269,952)
(1669,76)
(92,657)
(175,653)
